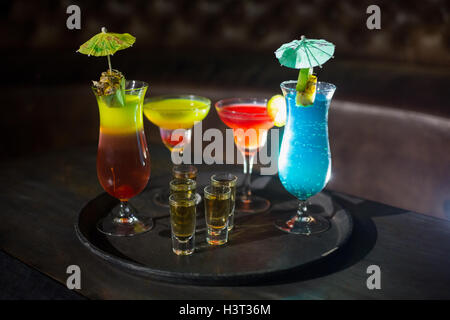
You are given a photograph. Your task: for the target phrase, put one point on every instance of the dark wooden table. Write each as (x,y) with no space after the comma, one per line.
(41,196)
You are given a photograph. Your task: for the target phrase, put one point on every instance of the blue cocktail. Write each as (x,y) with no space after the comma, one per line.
(304,164)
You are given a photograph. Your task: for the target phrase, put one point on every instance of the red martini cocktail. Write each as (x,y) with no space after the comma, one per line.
(250,122)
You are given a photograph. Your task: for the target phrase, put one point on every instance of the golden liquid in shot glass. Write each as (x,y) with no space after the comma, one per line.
(228,180)
(217,210)
(182,219)
(184,171)
(182,222)
(185,186)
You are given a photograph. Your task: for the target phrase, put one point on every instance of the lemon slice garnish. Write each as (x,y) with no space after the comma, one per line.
(276,108)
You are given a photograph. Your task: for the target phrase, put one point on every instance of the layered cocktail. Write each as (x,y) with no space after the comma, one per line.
(175,115)
(173,112)
(250,122)
(123,160)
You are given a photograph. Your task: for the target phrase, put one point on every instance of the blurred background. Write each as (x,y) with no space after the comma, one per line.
(389,121)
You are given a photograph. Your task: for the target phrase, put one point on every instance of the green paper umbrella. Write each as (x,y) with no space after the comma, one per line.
(305,53)
(106,44)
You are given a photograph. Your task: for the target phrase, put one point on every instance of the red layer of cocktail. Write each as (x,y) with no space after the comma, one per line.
(123,165)
(249,122)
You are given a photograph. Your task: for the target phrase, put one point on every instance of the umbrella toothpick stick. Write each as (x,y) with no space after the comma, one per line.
(109,59)
(109,63)
(106,44)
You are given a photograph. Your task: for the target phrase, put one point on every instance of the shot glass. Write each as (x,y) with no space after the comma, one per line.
(217,211)
(182,222)
(186,171)
(227,180)
(186,186)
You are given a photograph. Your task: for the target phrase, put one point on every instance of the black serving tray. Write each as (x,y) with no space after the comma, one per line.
(256,251)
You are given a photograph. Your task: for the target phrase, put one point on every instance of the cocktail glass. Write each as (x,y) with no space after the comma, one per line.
(123,161)
(186,186)
(227,180)
(250,122)
(186,171)
(304,164)
(182,222)
(172,112)
(217,213)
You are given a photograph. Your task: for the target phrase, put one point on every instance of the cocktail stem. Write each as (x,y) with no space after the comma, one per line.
(302,208)
(248,165)
(125,213)
(302,213)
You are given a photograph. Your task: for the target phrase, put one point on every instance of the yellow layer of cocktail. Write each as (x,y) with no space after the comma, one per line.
(176,113)
(120,120)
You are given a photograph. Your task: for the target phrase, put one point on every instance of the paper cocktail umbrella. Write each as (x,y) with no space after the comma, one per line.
(305,54)
(106,44)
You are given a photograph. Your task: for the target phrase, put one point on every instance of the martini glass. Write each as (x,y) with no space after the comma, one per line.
(304,163)
(175,112)
(250,122)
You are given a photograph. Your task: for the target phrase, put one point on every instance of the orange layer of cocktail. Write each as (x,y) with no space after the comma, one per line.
(250,123)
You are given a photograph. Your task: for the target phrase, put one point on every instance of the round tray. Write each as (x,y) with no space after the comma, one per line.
(256,250)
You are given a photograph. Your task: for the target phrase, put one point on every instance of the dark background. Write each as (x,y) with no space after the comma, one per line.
(389,124)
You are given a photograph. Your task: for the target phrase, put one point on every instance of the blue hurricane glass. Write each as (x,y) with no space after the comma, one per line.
(304,164)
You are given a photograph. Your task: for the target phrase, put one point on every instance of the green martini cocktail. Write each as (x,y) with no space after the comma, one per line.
(175,115)
(176,112)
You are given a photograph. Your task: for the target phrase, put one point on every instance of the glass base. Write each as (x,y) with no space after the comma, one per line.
(304,224)
(161,198)
(133,225)
(183,248)
(252,204)
(217,237)
(179,252)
